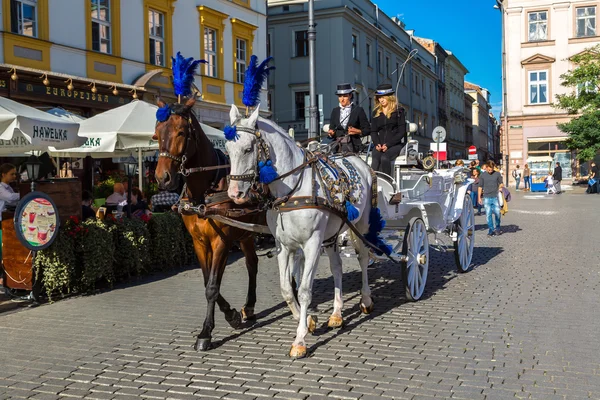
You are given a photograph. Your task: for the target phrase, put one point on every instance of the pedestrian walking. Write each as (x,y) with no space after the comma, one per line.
(517,176)
(550,184)
(527,178)
(348,122)
(473,190)
(557,176)
(490,186)
(594,179)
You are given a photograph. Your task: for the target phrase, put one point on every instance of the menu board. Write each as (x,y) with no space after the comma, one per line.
(36,221)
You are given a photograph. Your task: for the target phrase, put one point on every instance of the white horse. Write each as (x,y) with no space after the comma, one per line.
(301,228)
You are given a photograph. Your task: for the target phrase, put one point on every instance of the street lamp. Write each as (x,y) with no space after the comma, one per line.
(130,166)
(33,170)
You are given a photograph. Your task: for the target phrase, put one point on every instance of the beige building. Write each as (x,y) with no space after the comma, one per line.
(480,111)
(540,38)
(455,102)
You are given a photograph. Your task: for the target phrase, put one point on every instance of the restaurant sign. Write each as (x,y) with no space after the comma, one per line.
(62,94)
(36,221)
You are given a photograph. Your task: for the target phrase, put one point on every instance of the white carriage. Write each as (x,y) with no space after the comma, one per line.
(417,203)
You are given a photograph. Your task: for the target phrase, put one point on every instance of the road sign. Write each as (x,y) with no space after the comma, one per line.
(472,150)
(472,156)
(439,134)
(439,151)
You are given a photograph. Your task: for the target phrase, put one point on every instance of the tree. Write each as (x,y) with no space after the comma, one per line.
(584,102)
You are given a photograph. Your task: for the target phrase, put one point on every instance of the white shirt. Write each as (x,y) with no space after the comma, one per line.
(116,198)
(7,196)
(345,115)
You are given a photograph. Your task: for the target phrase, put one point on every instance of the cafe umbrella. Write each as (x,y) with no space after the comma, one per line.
(25,129)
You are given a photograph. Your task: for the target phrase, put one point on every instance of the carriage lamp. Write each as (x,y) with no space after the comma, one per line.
(130,166)
(33,170)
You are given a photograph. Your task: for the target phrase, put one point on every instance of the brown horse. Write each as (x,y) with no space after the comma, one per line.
(184,146)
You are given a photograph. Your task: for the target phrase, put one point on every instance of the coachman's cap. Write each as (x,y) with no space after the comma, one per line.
(385,89)
(344,88)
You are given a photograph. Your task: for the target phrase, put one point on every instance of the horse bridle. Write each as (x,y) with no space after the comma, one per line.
(263,149)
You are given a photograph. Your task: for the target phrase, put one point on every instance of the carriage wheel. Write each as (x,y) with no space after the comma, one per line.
(415,248)
(465,240)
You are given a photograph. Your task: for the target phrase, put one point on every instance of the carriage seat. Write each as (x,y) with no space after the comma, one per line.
(409,155)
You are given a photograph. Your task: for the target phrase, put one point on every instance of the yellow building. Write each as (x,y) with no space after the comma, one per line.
(91,55)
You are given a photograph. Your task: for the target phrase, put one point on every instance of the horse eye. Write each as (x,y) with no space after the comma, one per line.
(180,133)
(248,150)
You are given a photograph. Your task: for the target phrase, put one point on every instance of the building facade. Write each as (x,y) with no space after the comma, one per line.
(455,111)
(542,38)
(356,43)
(481,120)
(91,55)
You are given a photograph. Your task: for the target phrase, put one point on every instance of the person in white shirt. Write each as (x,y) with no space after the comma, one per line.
(8,174)
(118,196)
(550,184)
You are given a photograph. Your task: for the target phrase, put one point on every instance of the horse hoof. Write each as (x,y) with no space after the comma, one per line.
(202,344)
(235,321)
(367,310)
(311,322)
(335,322)
(248,314)
(297,351)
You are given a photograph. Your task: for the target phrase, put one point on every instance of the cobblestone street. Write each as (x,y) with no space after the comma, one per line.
(522,323)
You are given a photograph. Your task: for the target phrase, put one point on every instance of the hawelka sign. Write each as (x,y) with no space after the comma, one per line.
(36,221)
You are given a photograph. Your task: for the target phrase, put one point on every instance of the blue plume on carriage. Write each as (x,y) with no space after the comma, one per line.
(376,225)
(183,74)
(253,80)
(163,113)
(351,211)
(231,133)
(266,172)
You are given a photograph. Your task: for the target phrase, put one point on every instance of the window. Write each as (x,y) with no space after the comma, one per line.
(369,54)
(423,89)
(101,27)
(210,52)
(431,91)
(425,127)
(387,66)
(23,17)
(586,21)
(538,26)
(538,87)
(379,61)
(156,25)
(240,60)
(268,45)
(354,47)
(403,79)
(397,71)
(301,42)
(587,87)
(300,105)
(416,88)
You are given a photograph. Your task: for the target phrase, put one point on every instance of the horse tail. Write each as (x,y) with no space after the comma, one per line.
(376,222)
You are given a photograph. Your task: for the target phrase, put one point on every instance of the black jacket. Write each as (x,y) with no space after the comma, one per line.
(357,119)
(557,175)
(389,131)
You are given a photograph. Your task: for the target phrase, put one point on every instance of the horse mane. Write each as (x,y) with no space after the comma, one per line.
(275,129)
(181,110)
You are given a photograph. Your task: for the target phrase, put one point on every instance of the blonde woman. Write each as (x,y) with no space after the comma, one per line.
(388,129)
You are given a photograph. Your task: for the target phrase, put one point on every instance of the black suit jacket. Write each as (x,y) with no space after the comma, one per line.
(557,175)
(357,119)
(389,131)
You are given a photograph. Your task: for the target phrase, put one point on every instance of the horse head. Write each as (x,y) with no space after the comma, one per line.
(173,132)
(242,147)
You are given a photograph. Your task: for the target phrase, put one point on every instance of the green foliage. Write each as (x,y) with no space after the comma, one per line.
(584,130)
(166,235)
(97,253)
(59,265)
(132,241)
(105,188)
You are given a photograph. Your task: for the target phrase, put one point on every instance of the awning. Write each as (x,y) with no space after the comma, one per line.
(549,139)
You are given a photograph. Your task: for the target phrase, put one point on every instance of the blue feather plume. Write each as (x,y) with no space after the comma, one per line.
(253,80)
(351,211)
(163,113)
(376,225)
(183,74)
(266,172)
(231,133)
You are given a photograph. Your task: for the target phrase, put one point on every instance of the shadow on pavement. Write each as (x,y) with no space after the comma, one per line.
(504,228)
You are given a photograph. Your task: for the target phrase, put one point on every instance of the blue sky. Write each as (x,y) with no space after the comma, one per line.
(471,29)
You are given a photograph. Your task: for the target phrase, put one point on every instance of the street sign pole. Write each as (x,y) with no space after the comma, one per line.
(437,159)
(312,37)
(438,136)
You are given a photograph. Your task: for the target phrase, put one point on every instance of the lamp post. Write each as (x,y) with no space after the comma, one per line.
(500,7)
(312,37)
(130,166)
(33,170)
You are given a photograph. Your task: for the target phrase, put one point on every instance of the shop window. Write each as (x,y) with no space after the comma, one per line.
(538,87)
(301,43)
(23,15)
(538,26)
(586,21)
(210,52)
(240,60)
(101,26)
(300,105)
(156,26)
